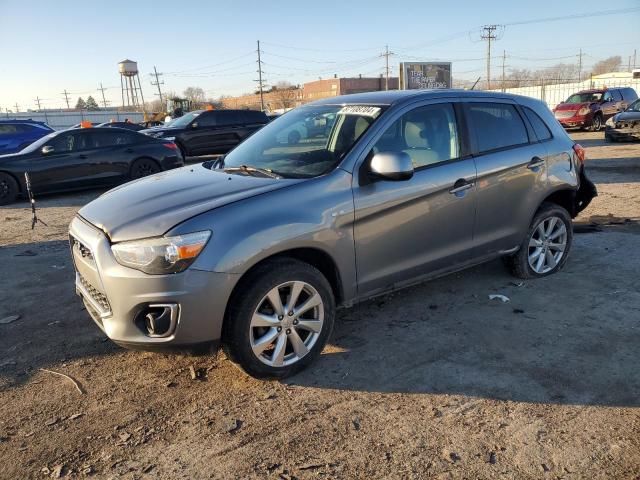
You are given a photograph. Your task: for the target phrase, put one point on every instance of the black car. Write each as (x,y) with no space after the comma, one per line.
(84,158)
(624,125)
(204,132)
(126,125)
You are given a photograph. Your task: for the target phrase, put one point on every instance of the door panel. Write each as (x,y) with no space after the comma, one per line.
(406,229)
(512,175)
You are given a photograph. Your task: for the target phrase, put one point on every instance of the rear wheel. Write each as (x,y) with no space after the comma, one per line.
(143,167)
(8,189)
(546,246)
(280,319)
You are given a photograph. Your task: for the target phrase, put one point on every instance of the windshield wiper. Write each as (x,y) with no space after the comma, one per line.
(267,172)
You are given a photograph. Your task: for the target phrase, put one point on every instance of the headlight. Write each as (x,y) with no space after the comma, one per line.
(584,111)
(162,254)
(611,122)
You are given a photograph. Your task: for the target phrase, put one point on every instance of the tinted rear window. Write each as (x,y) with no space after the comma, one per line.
(253,116)
(539,127)
(497,125)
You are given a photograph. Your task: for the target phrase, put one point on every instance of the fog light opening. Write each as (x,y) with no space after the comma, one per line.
(158,320)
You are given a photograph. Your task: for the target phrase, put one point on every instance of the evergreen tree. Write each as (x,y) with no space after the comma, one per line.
(80,103)
(91,104)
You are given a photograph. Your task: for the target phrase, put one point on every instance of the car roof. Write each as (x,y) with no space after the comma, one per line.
(392,97)
(22,120)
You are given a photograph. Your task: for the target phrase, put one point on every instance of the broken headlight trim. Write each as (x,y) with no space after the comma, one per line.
(161,255)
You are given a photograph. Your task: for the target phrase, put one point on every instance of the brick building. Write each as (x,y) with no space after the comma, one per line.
(311,91)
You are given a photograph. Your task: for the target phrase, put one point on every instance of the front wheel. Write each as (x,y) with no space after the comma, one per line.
(8,189)
(546,246)
(597,123)
(280,319)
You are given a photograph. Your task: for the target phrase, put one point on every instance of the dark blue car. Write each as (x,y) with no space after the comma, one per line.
(17,134)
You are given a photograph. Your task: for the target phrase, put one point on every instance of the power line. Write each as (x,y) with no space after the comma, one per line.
(488,35)
(260,81)
(158,83)
(574,16)
(66,97)
(386,54)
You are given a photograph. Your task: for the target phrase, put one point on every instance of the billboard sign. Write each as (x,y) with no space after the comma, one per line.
(421,75)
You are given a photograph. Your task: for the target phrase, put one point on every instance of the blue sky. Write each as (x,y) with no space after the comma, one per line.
(49,46)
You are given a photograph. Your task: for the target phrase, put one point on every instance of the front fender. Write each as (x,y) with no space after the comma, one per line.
(317,213)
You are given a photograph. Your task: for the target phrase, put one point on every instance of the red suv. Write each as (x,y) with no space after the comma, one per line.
(591,108)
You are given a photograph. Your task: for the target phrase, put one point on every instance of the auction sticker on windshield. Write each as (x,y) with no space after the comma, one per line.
(359,110)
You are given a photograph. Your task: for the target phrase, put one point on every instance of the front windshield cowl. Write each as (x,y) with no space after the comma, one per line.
(307,142)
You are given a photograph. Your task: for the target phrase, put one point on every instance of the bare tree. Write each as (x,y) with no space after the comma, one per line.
(285,94)
(611,64)
(195,94)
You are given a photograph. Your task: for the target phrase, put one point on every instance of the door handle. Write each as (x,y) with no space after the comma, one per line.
(460,186)
(536,162)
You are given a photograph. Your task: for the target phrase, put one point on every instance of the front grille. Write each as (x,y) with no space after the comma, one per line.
(98,297)
(81,248)
(565,113)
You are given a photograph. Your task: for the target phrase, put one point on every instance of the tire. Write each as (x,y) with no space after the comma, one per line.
(519,263)
(255,347)
(143,167)
(597,123)
(8,189)
(293,138)
(182,151)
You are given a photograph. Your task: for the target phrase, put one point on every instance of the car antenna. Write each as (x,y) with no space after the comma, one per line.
(32,200)
(474,85)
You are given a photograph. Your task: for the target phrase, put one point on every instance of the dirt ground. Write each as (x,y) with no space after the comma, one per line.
(436,381)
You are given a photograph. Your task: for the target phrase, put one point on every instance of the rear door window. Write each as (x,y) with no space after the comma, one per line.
(70,142)
(7,129)
(207,119)
(253,116)
(229,117)
(497,126)
(112,139)
(617,96)
(539,127)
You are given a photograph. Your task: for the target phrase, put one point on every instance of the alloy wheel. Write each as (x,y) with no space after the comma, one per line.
(547,244)
(286,324)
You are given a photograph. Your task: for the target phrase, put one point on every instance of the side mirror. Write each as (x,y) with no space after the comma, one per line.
(392,166)
(47,149)
(194,125)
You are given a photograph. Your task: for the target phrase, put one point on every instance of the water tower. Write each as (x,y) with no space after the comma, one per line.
(130,85)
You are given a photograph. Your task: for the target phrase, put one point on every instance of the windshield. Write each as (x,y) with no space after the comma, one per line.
(305,142)
(634,107)
(38,144)
(584,97)
(184,120)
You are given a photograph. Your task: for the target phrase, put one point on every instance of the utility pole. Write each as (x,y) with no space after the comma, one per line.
(504,57)
(46,119)
(66,97)
(38,103)
(580,66)
(386,54)
(489,34)
(104,100)
(634,58)
(260,81)
(17,108)
(158,82)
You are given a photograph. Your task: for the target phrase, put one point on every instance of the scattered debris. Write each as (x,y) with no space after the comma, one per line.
(497,296)
(545,468)
(491,458)
(233,425)
(125,436)
(58,471)
(51,421)
(433,306)
(148,468)
(72,380)
(193,373)
(58,267)
(76,415)
(454,457)
(88,470)
(356,423)
(517,284)
(518,310)
(171,384)
(9,319)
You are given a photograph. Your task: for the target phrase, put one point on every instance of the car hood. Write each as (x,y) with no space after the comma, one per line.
(572,106)
(151,206)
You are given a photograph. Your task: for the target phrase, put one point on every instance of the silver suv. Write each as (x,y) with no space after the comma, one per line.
(257,249)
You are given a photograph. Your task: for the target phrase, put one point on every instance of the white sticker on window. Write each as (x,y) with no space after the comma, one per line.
(359,110)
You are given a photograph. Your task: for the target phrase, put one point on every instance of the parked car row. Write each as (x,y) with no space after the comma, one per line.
(83,158)
(591,109)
